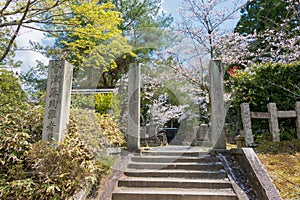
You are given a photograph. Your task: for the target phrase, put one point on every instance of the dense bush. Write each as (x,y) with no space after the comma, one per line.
(24,117)
(278,83)
(20,126)
(103,102)
(98,131)
(10,89)
(83,101)
(14,148)
(16,115)
(32,169)
(35,170)
(49,172)
(111,130)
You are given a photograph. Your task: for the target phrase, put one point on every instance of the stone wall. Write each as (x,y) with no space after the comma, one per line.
(255,172)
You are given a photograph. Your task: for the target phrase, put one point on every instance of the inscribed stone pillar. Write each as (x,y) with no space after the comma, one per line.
(297,108)
(58,97)
(246,120)
(217,104)
(273,122)
(133,129)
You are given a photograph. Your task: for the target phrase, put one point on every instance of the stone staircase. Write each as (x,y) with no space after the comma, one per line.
(174,173)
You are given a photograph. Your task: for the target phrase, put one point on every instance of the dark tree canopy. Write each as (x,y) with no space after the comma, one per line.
(261,15)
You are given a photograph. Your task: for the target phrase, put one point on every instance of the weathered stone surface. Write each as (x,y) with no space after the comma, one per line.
(158,175)
(246,118)
(272,115)
(133,127)
(58,97)
(259,115)
(204,132)
(256,174)
(286,114)
(273,122)
(217,104)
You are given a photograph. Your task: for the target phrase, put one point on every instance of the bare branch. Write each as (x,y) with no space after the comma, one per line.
(5,7)
(44,30)
(292,94)
(16,33)
(226,17)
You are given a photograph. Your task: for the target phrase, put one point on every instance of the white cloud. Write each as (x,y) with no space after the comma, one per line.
(29,57)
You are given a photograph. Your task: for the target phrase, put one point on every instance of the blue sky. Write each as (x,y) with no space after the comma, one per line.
(171,6)
(28,57)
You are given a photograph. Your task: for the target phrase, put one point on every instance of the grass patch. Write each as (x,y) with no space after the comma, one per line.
(282,161)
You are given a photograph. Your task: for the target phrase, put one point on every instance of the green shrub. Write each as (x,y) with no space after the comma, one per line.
(287,129)
(10,89)
(24,118)
(111,130)
(278,83)
(103,102)
(83,101)
(52,172)
(14,148)
(31,169)
(89,130)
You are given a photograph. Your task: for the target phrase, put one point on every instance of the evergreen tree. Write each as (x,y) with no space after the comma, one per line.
(273,26)
(144,25)
(261,15)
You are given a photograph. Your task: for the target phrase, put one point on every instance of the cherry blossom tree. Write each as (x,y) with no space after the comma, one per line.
(203,24)
(205,21)
(277,43)
(166,95)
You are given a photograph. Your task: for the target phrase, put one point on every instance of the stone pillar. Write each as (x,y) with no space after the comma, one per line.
(58,98)
(297,108)
(133,129)
(196,130)
(273,122)
(246,120)
(204,132)
(217,104)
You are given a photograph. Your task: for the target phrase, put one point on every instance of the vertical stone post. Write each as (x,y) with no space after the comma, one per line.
(204,132)
(273,122)
(297,108)
(246,120)
(58,98)
(133,129)
(217,104)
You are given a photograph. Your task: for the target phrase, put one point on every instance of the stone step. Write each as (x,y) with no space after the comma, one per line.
(174,153)
(173,183)
(176,173)
(183,165)
(172,194)
(174,159)
(203,143)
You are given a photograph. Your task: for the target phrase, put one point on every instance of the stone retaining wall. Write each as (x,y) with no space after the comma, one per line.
(256,173)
